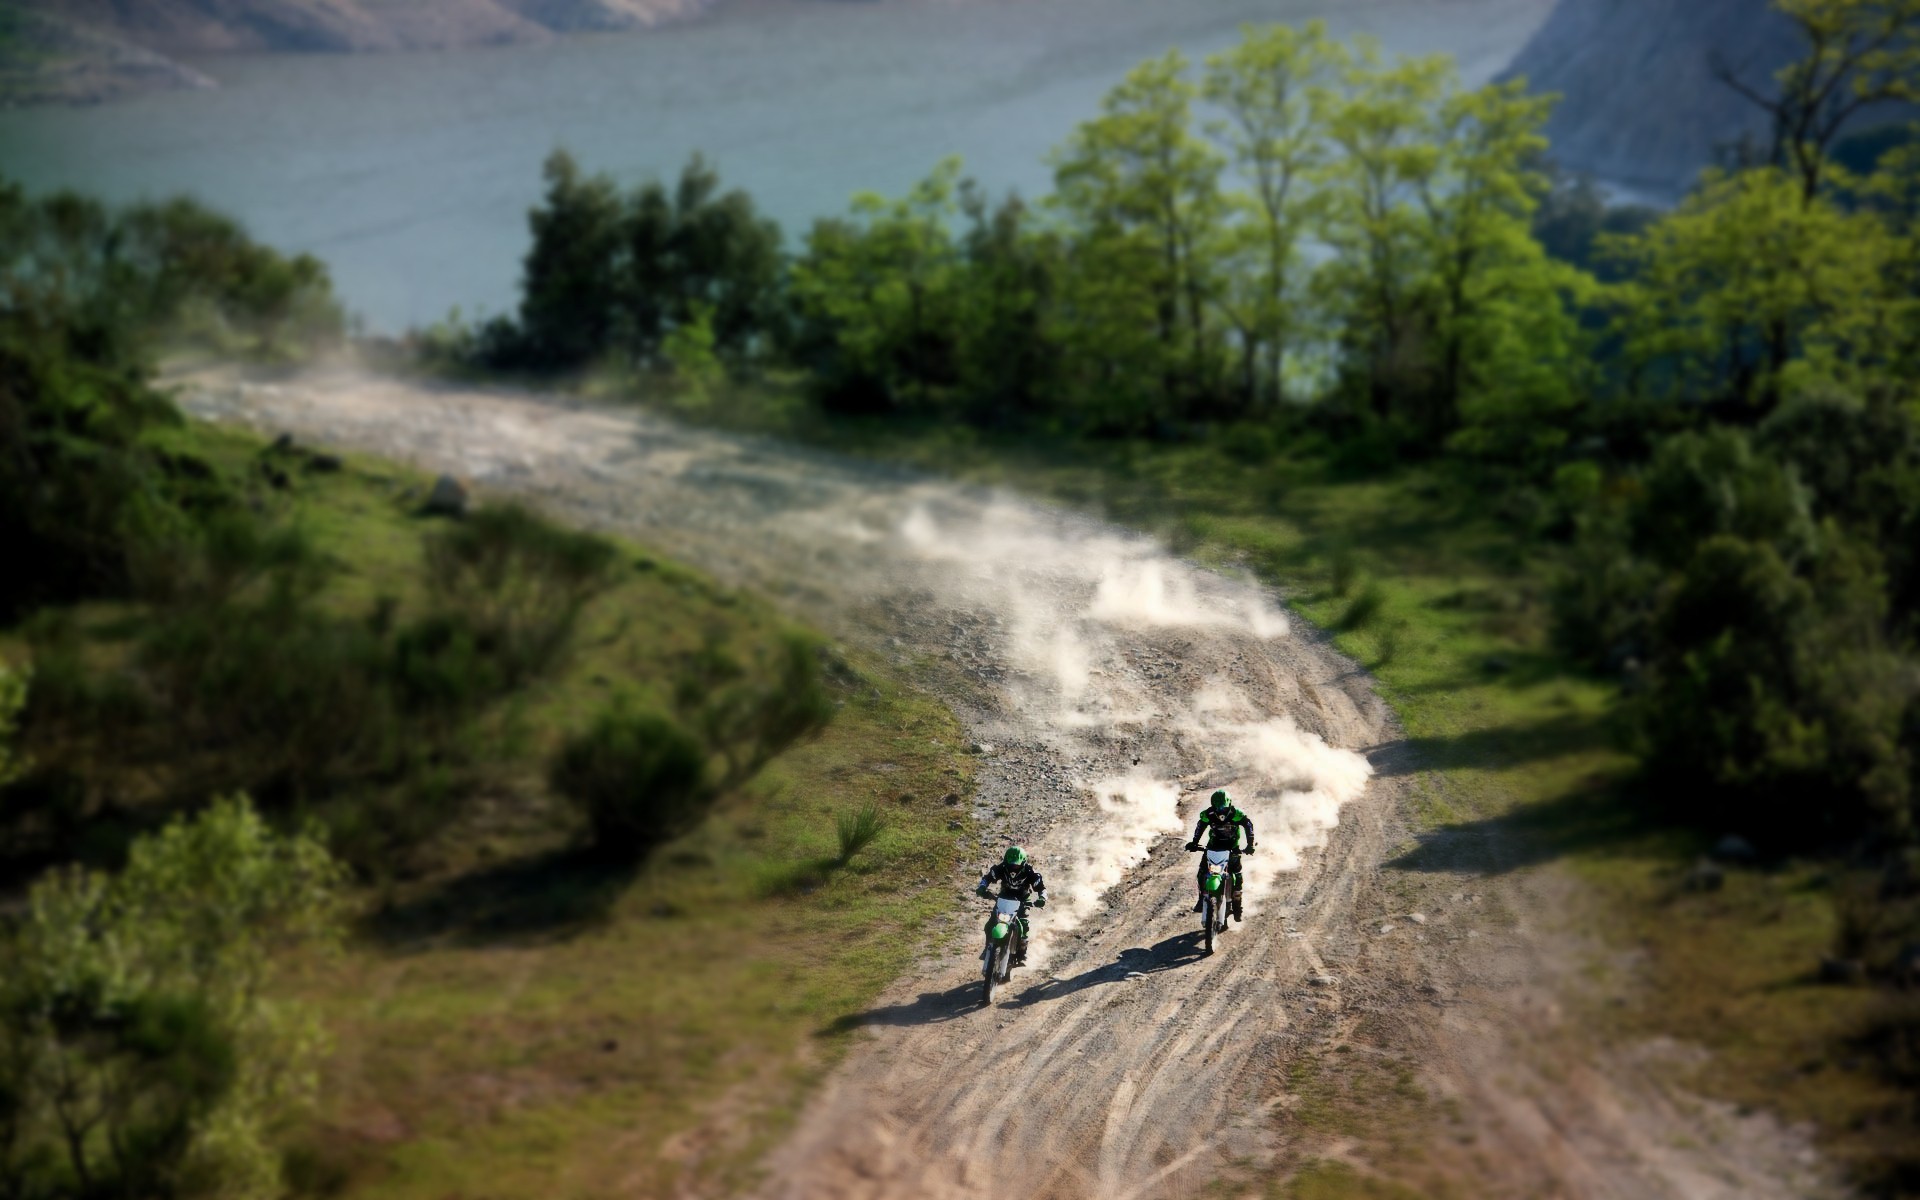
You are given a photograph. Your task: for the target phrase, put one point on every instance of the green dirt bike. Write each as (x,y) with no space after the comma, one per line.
(1005,942)
(1219,895)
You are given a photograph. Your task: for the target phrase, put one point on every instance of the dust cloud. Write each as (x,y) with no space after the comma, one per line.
(1067,605)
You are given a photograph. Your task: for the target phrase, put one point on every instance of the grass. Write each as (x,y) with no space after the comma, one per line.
(1417,576)
(857,829)
(512,1017)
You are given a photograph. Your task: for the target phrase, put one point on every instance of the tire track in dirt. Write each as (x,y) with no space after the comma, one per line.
(1111,687)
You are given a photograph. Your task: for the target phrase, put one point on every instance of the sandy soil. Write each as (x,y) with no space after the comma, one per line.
(1110,687)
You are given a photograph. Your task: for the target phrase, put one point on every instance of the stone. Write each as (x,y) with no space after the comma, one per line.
(1417,918)
(447,499)
(1734,849)
(1322,980)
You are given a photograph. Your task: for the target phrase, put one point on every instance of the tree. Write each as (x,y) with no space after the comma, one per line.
(692,251)
(880,290)
(1273,87)
(1748,288)
(1008,355)
(1860,54)
(141,1053)
(1141,197)
(570,282)
(1373,285)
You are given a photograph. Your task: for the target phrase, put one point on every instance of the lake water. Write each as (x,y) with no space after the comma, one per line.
(411,174)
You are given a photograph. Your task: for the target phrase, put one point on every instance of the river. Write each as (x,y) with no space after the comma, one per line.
(411,174)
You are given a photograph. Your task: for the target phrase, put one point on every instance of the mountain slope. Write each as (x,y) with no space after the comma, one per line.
(1640,104)
(92,50)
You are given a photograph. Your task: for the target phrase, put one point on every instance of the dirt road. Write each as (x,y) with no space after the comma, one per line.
(1110,687)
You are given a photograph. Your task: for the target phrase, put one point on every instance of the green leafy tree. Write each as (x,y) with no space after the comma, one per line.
(1749,289)
(143,1052)
(571,279)
(1008,353)
(1141,197)
(1374,286)
(1859,54)
(880,290)
(1274,87)
(697,250)
(689,353)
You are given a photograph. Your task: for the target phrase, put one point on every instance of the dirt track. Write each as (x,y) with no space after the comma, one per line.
(1110,687)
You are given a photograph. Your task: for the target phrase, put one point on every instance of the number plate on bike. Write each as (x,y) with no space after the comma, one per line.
(1006,907)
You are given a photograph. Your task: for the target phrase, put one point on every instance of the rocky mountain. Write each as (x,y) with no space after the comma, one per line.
(1640,104)
(89,50)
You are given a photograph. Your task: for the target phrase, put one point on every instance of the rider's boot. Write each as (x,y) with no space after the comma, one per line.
(1236,897)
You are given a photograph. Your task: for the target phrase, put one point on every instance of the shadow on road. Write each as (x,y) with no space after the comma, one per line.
(1179,950)
(930,1009)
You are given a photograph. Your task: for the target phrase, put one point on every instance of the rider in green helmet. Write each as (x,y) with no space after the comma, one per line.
(1221,822)
(1018,880)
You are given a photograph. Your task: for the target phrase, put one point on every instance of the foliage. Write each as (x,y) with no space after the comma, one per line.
(142,1053)
(13,698)
(880,290)
(638,777)
(89,502)
(1749,290)
(1757,619)
(743,720)
(111,285)
(609,274)
(1141,193)
(516,582)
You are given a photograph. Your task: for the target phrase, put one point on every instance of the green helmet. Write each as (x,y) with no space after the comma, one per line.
(1014,856)
(1220,800)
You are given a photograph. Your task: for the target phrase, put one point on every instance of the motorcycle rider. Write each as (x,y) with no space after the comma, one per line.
(1222,823)
(1018,880)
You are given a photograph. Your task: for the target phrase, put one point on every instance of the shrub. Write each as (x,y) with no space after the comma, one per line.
(639,778)
(13,698)
(517,582)
(857,830)
(139,1054)
(744,720)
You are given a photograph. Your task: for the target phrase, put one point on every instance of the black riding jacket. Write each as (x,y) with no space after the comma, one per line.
(1222,827)
(1017,883)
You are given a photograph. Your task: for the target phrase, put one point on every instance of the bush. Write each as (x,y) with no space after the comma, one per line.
(139,1054)
(748,722)
(639,778)
(517,583)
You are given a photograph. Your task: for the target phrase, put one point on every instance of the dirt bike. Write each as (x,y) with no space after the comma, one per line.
(1219,893)
(1005,941)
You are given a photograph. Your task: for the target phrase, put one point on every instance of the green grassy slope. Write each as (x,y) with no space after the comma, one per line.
(510,1018)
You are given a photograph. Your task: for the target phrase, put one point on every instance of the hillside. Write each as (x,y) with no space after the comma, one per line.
(86,51)
(1641,105)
